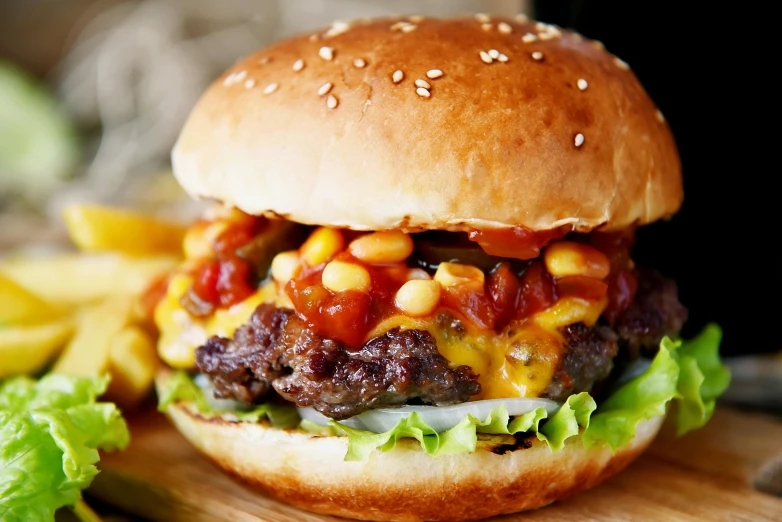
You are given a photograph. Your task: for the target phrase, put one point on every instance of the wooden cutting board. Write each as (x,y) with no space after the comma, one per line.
(705,475)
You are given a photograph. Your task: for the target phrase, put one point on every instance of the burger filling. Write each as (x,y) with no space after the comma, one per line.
(347,321)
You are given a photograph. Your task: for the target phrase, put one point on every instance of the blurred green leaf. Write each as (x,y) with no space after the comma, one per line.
(37,141)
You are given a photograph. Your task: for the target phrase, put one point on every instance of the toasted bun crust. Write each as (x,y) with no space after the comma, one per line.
(488,145)
(404,484)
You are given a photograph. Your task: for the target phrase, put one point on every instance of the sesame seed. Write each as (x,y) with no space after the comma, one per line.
(494,53)
(314,37)
(264,60)
(249,84)
(325,88)
(270,88)
(482,17)
(540,26)
(528,38)
(422,83)
(537,55)
(398,76)
(486,57)
(546,36)
(327,53)
(522,18)
(422,92)
(486,27)
(434,73)
(298,65)
(234,77)
(576,37)
(503,58)
(504,28)
(582,84)
(332,102)
(621,63)
(403,26)
(579,139)
(359,63)
(659,116)
(597,44)
(417,19)
(553,29)
(337,28)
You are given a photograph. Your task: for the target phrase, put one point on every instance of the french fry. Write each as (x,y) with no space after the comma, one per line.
(69,279)
(132,361)
(95,228)
(27,349)
(88,352)
(18,304)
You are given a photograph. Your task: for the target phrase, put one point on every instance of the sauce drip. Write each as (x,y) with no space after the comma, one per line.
(225,279)
(517,242)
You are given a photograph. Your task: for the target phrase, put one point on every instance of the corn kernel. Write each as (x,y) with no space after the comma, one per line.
(417,273)
(339,276)
(285,266)
(322,245)
(565,258)
(418,297)
(199,239)
(452,274)
(382,247)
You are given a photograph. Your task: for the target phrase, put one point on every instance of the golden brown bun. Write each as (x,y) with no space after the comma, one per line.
(494,145)
(404,484)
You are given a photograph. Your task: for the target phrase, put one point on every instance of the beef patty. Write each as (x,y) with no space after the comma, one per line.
(276,352)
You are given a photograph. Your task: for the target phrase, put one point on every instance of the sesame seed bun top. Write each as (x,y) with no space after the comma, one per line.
(419,123)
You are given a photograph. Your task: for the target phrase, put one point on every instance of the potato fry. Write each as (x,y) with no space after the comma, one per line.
(96,228)
(79,278)
(27,349)
(17,304)
(132,362)
(88,352)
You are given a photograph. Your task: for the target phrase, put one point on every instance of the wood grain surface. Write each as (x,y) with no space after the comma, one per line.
(705,475)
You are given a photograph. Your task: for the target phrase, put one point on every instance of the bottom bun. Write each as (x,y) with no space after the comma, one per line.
(504,474)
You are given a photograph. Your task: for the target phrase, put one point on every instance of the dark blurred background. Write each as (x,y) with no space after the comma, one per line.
(116,79)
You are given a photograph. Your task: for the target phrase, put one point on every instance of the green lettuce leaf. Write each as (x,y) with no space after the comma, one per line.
(565,423)
(50,433)
(702,379)
(688,372)
(180,387)
(642,398)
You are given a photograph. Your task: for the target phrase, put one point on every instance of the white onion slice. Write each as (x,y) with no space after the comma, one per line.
(442,418)
(313,415)
(221,405)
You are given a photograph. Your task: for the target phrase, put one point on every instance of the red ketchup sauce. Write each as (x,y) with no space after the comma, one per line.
(349,315)
(621,281)
(517,242)
(226,279)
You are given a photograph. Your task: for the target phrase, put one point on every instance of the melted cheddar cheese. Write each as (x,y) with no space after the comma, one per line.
(520,361)
(181,334)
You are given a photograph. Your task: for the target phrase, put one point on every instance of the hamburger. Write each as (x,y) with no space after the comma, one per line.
(414,297)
